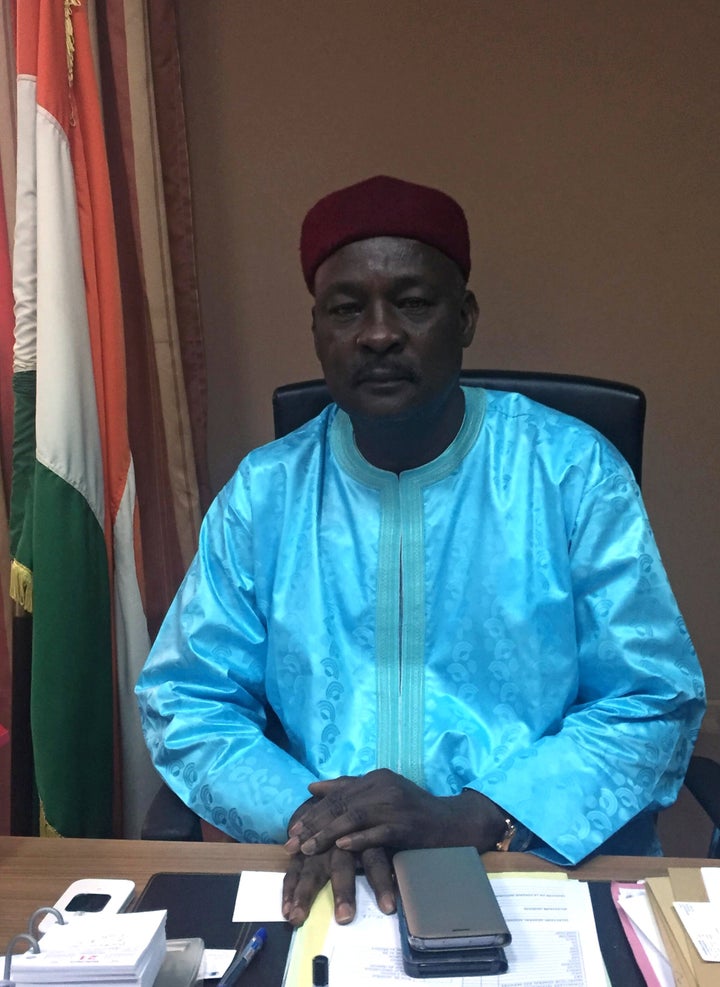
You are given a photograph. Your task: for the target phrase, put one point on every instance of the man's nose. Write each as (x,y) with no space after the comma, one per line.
(380,330)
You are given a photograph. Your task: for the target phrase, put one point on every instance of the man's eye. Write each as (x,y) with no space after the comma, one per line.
(414,304)
(344,310)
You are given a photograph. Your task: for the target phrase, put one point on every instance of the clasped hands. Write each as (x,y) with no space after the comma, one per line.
(353,821)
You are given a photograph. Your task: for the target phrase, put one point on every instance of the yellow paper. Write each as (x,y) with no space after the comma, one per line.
(309,939)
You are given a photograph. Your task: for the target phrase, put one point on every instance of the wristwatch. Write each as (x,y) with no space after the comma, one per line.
(505,840)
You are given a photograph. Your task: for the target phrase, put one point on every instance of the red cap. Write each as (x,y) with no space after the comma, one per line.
(383,206)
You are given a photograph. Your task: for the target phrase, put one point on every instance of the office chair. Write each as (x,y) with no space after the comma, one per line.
(703,782)
(616,410)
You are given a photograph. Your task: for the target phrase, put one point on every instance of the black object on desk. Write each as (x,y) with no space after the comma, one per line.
(621,966)
(320,971)
(202,905)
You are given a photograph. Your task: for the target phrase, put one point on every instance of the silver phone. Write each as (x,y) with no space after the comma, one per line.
(448,900)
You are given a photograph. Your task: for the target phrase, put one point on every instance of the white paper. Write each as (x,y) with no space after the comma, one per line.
(634,902)
(554,940)
(711,880)
(259,897)
(702,923)
(115,949)
(214,963)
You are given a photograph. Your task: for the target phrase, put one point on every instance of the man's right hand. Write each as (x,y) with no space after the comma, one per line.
(384,809)
(306,876)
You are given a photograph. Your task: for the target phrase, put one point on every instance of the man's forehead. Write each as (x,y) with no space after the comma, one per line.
(383,207)
(400,260)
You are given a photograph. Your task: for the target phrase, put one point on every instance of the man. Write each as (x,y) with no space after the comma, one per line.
(451,599)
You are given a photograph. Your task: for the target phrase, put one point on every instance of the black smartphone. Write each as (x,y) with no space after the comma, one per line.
(482,961)
(448,900)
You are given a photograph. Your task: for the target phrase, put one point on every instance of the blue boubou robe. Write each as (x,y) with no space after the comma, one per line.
(498,619)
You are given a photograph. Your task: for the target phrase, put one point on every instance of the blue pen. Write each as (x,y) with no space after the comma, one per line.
(244,959)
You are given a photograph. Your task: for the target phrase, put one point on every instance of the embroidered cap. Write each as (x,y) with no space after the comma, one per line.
(383,206)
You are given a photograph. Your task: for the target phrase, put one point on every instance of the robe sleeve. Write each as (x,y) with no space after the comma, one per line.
(202,690)
(623,746)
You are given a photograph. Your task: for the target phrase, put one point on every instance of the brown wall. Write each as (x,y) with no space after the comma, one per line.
(582,139)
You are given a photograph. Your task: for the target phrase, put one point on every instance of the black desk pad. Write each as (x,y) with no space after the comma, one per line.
(202,905)
(621,965)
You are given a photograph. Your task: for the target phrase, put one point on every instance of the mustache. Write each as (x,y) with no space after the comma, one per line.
(384,370)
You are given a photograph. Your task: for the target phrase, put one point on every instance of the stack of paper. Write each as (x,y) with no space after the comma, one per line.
(673,926)
(125,950)
(640,925)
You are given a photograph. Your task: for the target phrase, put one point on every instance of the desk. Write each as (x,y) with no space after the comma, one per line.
(35,871)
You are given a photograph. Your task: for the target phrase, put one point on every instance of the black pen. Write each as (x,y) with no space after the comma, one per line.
(243,959)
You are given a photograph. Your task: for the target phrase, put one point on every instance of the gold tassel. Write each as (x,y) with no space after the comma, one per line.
(21,585)
(70,38)
(44,827)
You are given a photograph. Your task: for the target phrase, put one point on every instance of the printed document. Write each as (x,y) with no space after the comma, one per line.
(554,941)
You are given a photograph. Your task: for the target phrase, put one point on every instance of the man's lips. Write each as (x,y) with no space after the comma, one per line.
(383,375)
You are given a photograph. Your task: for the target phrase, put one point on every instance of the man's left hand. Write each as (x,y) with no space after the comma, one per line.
(306,876)
(383,809)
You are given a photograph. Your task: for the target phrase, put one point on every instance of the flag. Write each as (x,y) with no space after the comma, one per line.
(6,336)
(74,527)
(6,343)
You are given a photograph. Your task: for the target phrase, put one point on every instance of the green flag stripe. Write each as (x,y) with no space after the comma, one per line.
(72,692)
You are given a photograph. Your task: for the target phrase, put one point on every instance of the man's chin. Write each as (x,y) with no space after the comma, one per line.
(389,405)
(383,410)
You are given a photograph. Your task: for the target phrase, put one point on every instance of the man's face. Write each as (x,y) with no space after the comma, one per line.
(391,319)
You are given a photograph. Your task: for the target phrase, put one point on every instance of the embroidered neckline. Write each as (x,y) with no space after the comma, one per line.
(349,457)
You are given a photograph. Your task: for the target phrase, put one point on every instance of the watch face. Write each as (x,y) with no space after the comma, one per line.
(87,902)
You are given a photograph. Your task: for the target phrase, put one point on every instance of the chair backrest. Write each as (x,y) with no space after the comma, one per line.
(616,410)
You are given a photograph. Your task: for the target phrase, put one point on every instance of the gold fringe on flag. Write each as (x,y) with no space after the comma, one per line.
(21,585)
(70,38)
(44,827)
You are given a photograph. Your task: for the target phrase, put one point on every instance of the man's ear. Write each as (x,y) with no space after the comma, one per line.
(314,331)
(469,313)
